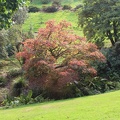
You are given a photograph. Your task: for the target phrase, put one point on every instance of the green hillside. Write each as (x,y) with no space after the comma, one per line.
(38,19)
(73,3)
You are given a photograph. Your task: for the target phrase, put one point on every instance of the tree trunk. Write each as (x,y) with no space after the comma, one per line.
(109,35)
(115,32)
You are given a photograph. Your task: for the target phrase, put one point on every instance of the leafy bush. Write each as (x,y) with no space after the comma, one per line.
(55,43)
(45,1)
(18,87)
(25,98)
(33,9)
(20,15)
(14,73)
(10,39)
(3,81)
(50,9)
(14,35)
(56,3)
(16,101)
(40,99)
(67,7)
(113,58)
(78,6)
(3,41)
(110,69)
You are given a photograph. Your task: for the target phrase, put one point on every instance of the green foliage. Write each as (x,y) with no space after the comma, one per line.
(56,3)
(7,101)
(20,15)
(100,20)
(11,39)
(7,8)
(3,41)
(16,101)
(45,1)
(67,7)
(25,98)
(18,87)
(33,9)
(40,99)
(78,7)
(50,9)
(111,69)
(38,3)
(14,73)
(3,81)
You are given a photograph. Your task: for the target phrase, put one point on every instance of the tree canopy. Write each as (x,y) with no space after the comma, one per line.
(100,20)
(7,8)
(58,57)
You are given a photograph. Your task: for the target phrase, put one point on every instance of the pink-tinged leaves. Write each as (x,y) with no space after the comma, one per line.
(57,42)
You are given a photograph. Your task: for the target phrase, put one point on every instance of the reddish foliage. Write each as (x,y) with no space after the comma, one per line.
(57,42)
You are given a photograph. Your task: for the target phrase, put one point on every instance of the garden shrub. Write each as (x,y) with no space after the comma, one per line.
(14,73)
(42,66)
(78,7)
(3,81)
(14,35)
(45,1)
(110,70)
(113,60)
(56,3)
(67,7)
(10,40)
(33,9)
(50,9)
(40,99)
(23,99)
(3,41)
(17,87)
(20,15)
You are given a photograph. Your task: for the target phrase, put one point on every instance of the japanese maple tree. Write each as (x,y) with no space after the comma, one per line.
(57,56)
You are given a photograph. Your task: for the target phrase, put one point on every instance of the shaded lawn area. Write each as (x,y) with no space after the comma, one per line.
(98,107)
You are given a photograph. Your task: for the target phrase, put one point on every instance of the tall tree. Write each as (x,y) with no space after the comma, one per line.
(7,8)
(100,20)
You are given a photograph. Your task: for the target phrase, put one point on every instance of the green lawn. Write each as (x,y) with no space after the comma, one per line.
(72,3)
(37,20)
(98,107)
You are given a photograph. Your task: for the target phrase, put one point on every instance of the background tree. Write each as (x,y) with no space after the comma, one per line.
(7,8)
(20,15)
(101,20)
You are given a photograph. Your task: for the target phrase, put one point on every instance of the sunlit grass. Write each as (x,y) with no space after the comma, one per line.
(72,3)
(37,20)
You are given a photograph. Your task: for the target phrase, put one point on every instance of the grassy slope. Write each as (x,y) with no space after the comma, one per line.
(72,3)
(98,107)
(37,20)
